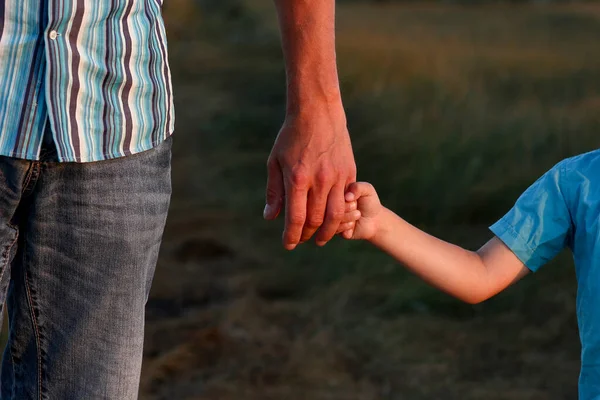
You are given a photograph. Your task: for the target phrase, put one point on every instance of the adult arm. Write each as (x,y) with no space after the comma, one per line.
(311,163)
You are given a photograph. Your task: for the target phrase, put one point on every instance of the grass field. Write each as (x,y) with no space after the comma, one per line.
(453,112)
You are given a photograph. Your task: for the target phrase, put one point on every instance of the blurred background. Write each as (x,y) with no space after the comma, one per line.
(454,109)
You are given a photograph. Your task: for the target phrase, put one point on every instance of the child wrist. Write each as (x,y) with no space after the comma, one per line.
(381,228)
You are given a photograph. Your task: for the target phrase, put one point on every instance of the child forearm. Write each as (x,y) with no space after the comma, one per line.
(470,276)
(452,269)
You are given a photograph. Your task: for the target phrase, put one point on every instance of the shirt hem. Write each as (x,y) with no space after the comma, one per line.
(515,242)
(116,155)
(20,156)
(102,157)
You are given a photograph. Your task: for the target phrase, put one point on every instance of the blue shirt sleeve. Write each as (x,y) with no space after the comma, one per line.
(539,226)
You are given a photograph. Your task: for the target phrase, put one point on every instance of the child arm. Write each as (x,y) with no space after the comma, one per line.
(467,275)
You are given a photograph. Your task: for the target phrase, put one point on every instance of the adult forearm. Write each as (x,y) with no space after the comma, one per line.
(308,41)
(452,269)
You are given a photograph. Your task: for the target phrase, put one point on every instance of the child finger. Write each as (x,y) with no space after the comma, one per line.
(348,234)
(346,226)
(358,190)
(351,206)
(351,216)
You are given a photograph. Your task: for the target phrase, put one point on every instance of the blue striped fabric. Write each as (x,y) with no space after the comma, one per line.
(95,70)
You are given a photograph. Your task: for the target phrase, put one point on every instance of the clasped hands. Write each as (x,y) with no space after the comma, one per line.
(310,169)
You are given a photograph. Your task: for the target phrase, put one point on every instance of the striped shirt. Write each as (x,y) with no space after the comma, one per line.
(95,70)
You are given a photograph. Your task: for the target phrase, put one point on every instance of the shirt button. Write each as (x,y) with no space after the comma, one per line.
(53,35)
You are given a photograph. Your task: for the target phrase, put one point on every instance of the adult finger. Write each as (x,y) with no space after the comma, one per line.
(296,189)
(351,176)
(315,215)
(333,215)
(275,190)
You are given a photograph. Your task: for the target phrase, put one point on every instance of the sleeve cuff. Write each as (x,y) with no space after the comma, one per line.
(515,242)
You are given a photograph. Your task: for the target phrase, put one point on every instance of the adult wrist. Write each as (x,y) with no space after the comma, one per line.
(330,112)
(309,97)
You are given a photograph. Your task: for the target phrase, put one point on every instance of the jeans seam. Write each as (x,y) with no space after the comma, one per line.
(27,178)
(33,170)
(6,254)
(12,359)
(35,329)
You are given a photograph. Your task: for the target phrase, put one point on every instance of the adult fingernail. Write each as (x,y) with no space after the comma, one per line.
(290,246)
(268,212)
(321,244)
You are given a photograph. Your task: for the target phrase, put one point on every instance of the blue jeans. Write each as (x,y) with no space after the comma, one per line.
(78,248)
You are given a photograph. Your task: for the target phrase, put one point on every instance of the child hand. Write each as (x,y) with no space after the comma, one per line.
(362,211)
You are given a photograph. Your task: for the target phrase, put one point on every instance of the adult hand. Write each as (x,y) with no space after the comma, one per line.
(309,168)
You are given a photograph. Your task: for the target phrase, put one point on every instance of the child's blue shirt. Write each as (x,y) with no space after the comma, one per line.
(562,209)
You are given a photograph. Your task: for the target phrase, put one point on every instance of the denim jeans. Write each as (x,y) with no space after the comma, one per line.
(79,244)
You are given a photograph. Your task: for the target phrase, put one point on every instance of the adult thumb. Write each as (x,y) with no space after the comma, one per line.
(275,191)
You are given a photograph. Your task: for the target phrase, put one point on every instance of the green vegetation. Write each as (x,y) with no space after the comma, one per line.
(453,111)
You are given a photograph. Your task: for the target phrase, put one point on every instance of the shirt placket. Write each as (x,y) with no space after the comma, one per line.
(54,75)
